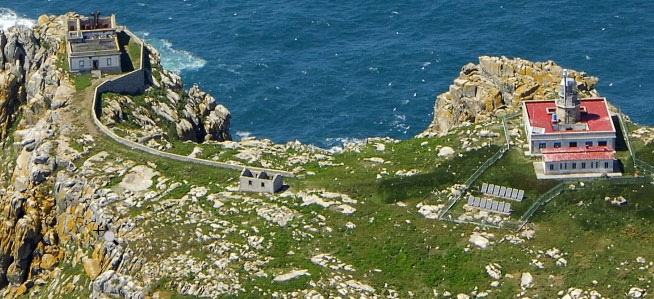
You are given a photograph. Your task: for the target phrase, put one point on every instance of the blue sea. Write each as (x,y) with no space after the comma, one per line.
(324,72)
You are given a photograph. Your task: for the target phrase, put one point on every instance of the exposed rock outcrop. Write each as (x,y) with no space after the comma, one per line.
(198,116)
(193,115)
(497,85)
(48,205)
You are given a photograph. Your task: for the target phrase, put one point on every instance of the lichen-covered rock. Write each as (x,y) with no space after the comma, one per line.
(499,84)
(48,261)
(91,267)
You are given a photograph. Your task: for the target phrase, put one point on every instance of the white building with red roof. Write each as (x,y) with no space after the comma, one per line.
(572,135)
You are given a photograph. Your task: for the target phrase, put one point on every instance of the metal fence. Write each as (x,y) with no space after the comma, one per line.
(627,180)
(505,118)
(447,214)
(498,155)
(543,199)
(626,136)
(640,164)
(449,204)
(488,163)
(559,188)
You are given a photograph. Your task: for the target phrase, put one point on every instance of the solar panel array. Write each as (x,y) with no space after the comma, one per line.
(502,192)
(489,205)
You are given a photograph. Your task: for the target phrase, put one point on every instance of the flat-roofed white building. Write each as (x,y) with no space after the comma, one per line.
(92,44)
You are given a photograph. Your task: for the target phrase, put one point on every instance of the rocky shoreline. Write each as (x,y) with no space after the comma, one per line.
(61,179)
(496,86)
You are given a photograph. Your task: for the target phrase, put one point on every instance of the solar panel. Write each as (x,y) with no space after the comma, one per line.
(496,190)
(476,202)
(514,194)
(507,208)
(521,195)
(500,207)
(494,206)
(470,200)
(502,191)
(484,188)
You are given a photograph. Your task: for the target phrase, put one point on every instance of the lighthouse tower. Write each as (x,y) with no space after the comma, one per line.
(568,105)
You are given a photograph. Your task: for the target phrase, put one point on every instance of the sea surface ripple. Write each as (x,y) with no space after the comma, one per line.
(328,71)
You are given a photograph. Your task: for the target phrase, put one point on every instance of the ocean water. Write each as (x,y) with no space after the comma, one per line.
(327,71)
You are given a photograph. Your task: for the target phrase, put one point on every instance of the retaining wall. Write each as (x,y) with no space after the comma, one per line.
(133,83)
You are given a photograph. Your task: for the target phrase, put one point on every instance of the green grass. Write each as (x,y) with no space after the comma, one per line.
(421,255)
(598,235)
(358,177)
(82,81)
(62,59)
(114,181)
(134,51)
(162,286)
(451,172)
(514,170)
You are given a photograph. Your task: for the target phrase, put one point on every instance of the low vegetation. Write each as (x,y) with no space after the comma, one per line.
(134,51)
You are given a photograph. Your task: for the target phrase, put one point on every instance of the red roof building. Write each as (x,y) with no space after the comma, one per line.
(595,116)
(578,153)
(572,135)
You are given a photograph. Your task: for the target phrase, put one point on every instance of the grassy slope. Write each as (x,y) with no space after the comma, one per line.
(418,254)
(421,255)
(514,170)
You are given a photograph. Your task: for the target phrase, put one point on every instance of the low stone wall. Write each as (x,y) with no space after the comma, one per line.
(134,83)
(130,83)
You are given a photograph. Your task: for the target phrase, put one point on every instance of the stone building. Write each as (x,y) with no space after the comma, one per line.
(572,135)
(92,44)
(251,181)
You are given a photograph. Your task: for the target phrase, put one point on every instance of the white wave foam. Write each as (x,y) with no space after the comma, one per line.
(243,134)
(339,144)
(9,18)
(174,59)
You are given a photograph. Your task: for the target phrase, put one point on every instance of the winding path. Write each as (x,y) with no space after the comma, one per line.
(92,97)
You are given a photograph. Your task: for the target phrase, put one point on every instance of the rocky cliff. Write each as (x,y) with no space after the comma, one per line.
(193,114)
(30,85)
(53,187)
(497,85)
